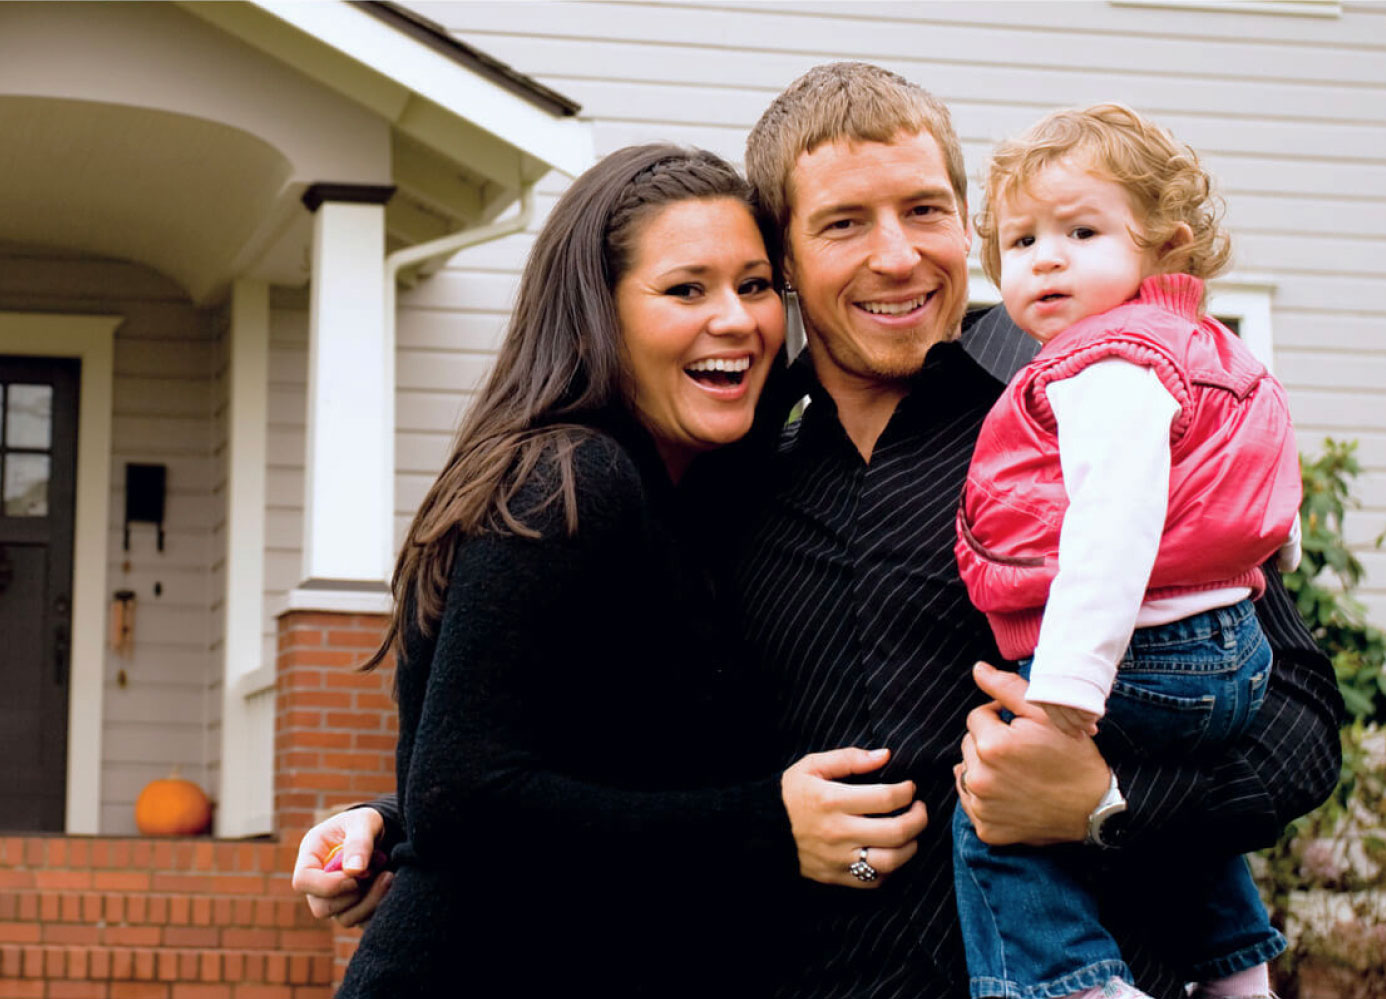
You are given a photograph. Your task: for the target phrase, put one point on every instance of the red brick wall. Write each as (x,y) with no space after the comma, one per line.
(335,727)
(156,919)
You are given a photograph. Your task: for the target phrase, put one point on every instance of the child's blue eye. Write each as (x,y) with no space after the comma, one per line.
(1024,241)
(1084,232)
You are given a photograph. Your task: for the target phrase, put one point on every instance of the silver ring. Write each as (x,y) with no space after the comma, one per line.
(861,870)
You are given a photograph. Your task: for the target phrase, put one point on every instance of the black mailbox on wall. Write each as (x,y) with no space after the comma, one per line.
(144,498)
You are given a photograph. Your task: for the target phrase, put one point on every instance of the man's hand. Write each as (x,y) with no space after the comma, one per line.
(345,895)
(1025,782)
(832,821)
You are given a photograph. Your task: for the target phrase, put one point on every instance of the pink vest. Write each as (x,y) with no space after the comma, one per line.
(1234,487)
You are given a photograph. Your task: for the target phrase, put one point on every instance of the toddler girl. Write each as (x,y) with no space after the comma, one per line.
(1124,492)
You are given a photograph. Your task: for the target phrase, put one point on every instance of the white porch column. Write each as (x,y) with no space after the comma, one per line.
(246,795)
(349,470)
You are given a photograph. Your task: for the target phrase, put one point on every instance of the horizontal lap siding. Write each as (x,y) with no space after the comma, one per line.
(286,446)
(165,394)
(1287,111)
(161,718)
(219,326)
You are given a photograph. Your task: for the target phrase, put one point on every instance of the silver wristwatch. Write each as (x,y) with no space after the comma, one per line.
(1103,822)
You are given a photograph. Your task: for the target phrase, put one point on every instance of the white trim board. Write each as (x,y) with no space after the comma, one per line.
(559,141)
(246,792)
(90,339)
(451,107)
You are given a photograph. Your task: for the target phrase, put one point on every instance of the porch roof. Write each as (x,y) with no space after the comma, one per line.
(182,136)
(411,72)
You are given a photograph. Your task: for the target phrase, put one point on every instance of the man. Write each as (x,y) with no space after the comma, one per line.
(847,586)
(846,583)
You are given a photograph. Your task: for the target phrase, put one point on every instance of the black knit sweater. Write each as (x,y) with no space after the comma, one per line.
(584,803)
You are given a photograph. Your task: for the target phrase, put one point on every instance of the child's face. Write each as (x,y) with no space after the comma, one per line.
(1066,249)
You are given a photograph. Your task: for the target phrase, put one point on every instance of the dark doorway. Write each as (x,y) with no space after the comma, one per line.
(38,472)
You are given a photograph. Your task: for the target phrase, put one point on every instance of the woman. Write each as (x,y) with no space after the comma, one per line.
(583,803)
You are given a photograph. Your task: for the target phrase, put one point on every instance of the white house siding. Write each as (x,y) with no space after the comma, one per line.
(217,325)
(163,409)
(1289,112)
(286,445)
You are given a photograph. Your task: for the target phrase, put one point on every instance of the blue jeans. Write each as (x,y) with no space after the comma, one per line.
(1030,916)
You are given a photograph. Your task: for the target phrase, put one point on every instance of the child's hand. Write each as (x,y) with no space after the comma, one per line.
(1071,721)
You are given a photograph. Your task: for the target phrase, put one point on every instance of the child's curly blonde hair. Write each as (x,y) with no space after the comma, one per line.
(1162,177)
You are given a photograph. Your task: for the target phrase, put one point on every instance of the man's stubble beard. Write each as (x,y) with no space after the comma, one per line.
(879,369)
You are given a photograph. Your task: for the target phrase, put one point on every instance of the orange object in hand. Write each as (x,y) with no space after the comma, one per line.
(334,861)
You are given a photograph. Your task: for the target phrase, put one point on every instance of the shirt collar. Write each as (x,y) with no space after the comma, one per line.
(996,343)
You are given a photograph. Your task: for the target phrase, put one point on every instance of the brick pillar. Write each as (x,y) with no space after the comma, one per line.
(335,727)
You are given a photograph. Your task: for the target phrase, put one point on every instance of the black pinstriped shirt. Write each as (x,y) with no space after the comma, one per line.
(852,605)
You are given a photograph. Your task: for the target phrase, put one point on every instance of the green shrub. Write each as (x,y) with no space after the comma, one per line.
(1325,580)
(1324,879)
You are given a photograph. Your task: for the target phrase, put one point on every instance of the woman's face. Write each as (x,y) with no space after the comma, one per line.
(701,323)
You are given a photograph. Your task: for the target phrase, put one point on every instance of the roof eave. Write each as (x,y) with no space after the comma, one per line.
(429,89)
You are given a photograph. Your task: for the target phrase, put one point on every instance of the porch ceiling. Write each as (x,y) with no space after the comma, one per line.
(182,136)
(180,194)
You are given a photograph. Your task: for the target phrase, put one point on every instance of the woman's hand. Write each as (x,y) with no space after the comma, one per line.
(347,895)
(832,821)
(1026,781)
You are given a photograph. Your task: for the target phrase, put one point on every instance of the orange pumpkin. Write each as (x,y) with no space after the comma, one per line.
(172,807)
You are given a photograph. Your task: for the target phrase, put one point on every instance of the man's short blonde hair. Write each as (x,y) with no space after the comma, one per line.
(1162,177)
(843,100)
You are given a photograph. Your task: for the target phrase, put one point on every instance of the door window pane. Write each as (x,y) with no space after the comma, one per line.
(26,485)
(29,416)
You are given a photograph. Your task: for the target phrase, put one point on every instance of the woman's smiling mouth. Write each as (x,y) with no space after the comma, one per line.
(719,371)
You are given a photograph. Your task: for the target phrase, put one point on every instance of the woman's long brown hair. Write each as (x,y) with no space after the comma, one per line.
(561,360)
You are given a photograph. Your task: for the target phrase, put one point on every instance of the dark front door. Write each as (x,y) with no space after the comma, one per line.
(38,471)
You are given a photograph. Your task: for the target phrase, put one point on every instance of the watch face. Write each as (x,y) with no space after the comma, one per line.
(1110,827)
(1105,822)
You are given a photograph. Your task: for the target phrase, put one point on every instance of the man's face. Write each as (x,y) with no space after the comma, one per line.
(877,248)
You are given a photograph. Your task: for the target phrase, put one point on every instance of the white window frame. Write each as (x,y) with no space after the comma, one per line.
(1289,8)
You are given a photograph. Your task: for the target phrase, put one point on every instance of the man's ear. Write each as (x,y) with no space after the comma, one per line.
(1181,238)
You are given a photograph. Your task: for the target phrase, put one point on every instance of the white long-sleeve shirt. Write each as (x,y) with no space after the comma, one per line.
(1113,428)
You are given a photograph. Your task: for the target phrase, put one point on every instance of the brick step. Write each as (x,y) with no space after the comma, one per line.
(93,861)
(135,918)
(154,920)
(233,970)
(165,964)
(30,988)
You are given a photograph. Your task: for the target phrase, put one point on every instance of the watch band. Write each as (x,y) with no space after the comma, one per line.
(1100,824)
